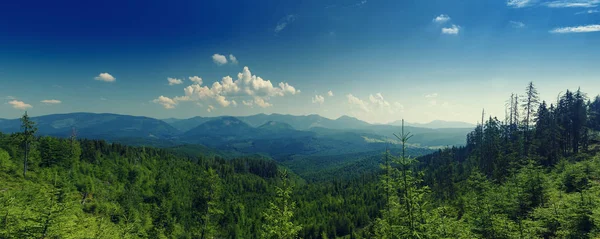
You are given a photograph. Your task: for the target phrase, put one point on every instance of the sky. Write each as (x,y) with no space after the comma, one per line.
(376,60)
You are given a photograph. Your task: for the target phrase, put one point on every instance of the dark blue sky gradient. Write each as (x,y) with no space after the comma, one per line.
(54,49)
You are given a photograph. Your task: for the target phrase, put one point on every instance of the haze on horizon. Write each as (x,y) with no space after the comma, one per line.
(378,61)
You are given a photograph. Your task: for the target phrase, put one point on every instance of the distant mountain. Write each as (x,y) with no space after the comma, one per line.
(184,125)
(436,124)
(223,126)
(275,126)
(100,126)
(347,122)
(255,133)
(305,122)
(171,120)
(298,122)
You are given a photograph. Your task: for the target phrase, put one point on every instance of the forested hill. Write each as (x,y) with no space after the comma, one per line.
(533,174)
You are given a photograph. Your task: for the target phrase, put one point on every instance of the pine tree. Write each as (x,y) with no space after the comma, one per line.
(27,137)
(594,112)
(529,104)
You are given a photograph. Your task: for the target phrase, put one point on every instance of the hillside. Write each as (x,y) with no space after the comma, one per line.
(97,126)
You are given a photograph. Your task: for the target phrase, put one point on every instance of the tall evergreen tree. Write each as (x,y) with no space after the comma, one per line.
(595,113)
(529,103)
(27,137)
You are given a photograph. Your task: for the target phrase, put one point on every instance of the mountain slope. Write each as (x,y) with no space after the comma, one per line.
(91,125)
(184,125)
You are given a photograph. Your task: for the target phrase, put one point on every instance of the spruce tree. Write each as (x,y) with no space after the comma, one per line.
(27,137)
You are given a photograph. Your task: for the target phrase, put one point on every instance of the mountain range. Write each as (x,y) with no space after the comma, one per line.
(279,136)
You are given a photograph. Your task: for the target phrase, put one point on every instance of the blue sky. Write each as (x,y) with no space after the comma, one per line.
(381,60)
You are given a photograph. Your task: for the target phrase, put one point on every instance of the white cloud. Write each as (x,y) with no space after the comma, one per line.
(451,30)
(105,77)
(517,24)
(441,18)
(245,86)
(399,106)
(248,103)
(17,104)
(578,29)
(166,102)
(51,102)
(378,100)
(219,59)
(572,3)
(330,93)
(375,103)
(210,108)
(356,102)
(10,98)
(519,3)
(433,95)
(592,11)
(284,22)
(173,81)
(318,99)
(261,102)
(233,59)
(196,79)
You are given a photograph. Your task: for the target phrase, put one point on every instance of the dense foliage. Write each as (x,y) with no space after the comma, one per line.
(534,174)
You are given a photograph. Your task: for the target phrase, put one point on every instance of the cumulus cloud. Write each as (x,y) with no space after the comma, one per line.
(454,30)
(261,102)
(516,24)
(210,108)
(196,80)
(356,102)
(51,102)
(284,22)
(166,102)
(173,81)
(519,3)
(233,59)
(105,77)
(441,18)
(318,99)
(433,95)
(219,59)
(251,89)
(17,104)
(330,93)
(578,29)
(376,102)
(573,3)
